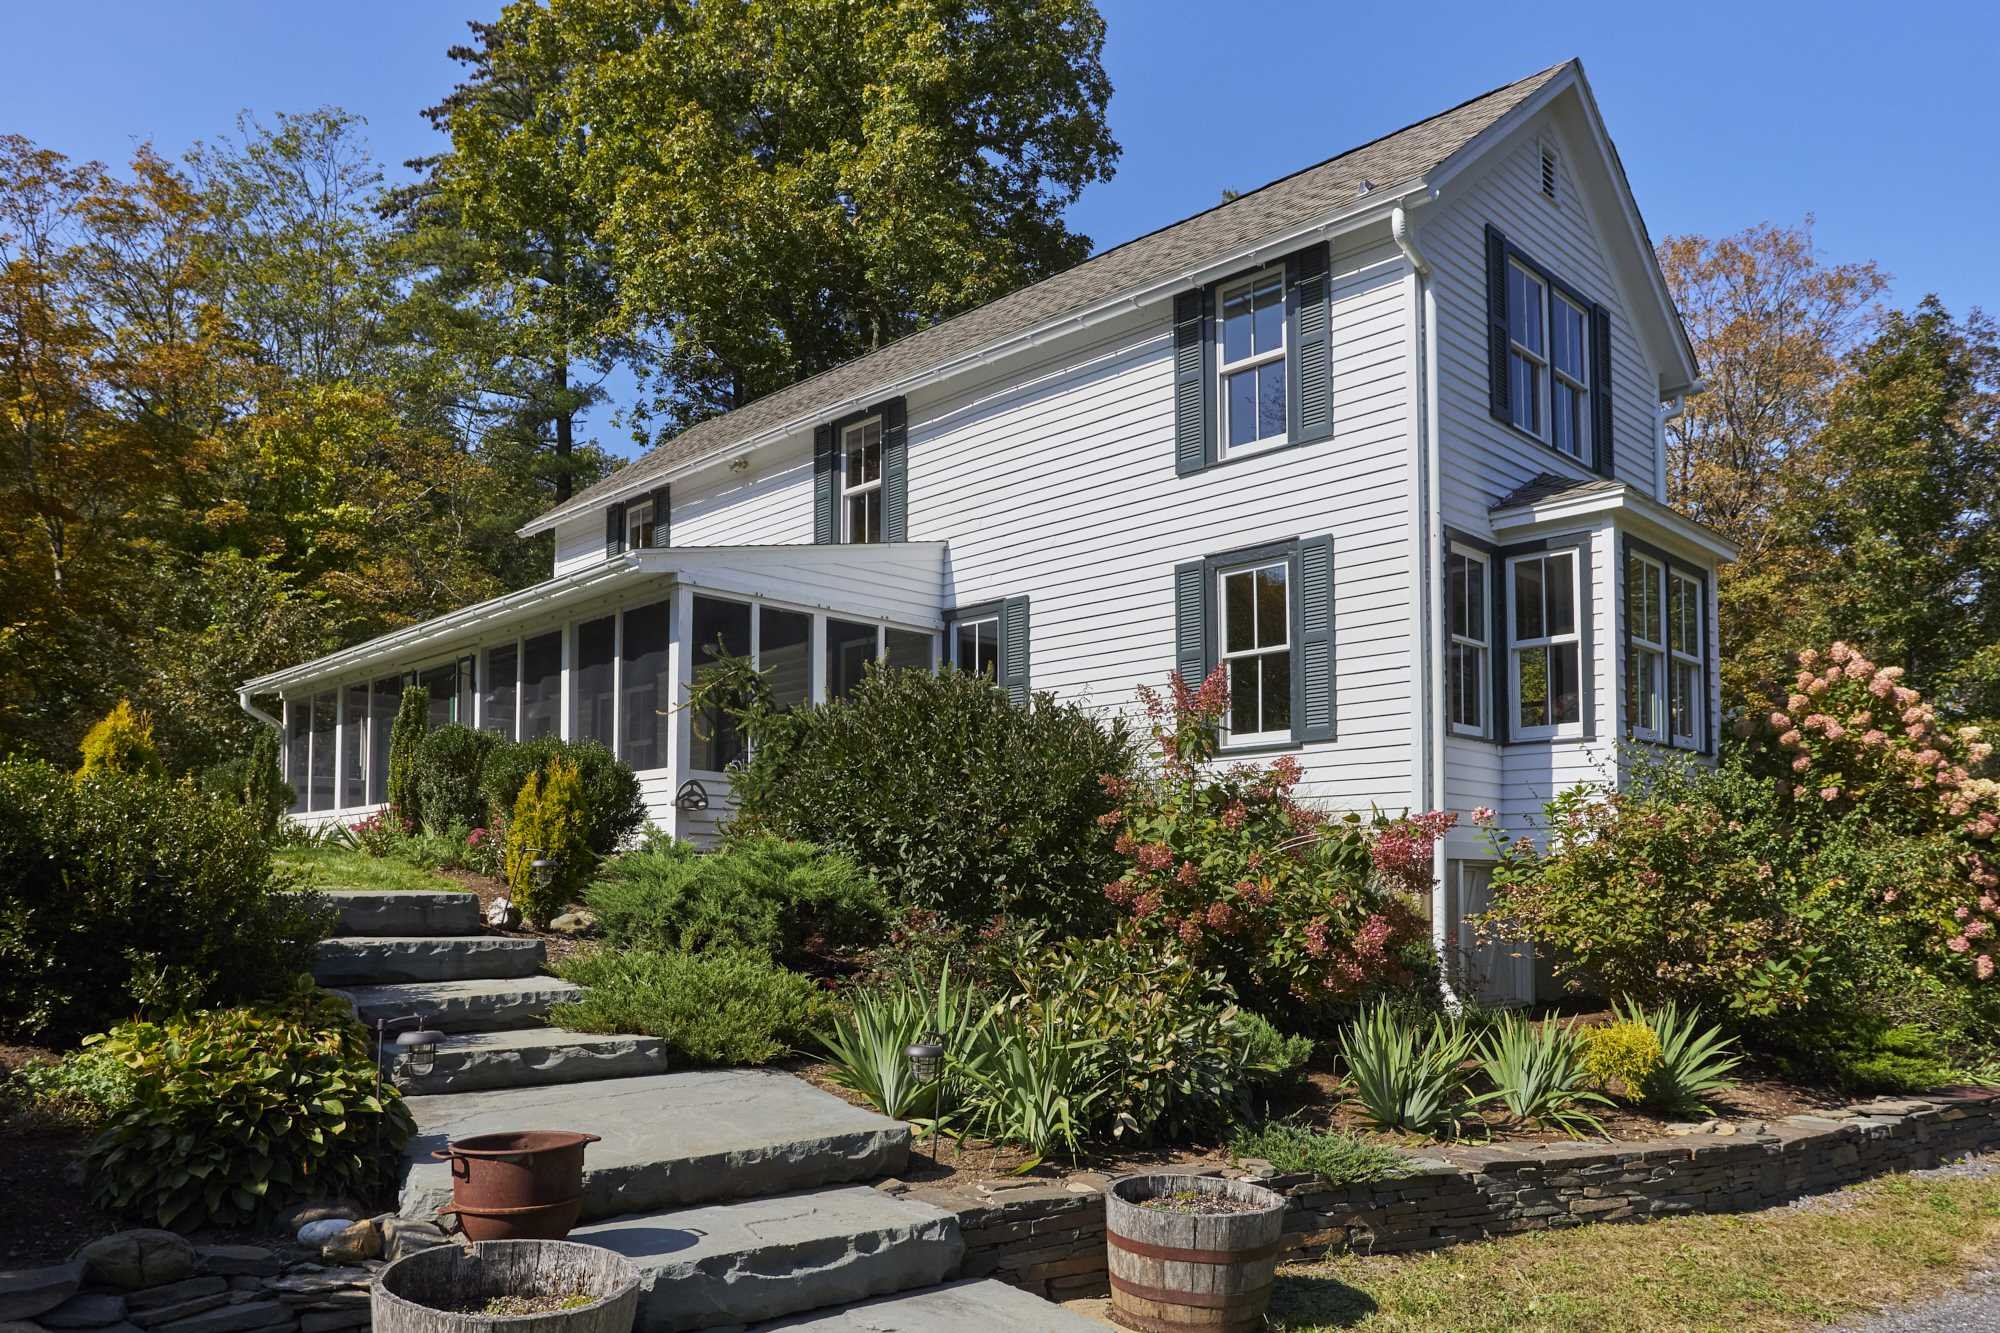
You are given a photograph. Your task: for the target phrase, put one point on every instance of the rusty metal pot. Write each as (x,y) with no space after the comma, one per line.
(521,1185)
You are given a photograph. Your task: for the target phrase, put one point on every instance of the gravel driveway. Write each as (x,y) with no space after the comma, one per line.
(1974,1308)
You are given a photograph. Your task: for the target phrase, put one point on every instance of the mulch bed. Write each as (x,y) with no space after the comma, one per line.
(46,1213)
(556,947)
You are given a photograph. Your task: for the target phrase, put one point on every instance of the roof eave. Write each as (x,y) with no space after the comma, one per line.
(1367,210)
(1622,500)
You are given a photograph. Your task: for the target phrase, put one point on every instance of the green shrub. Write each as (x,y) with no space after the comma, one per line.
(953,798)
(1406,1075)
(613,809)
(1619,1057)
(782,899)
(1337,1158)
(122,893)
(84,1086)
(121,742)
(255,782)
(1272,1058)
(235,1112)
(1538,1075)
(1865,1055)
(711,1009)
(406,736)
(444,775)
(548,824)
(1695,1062)
(868,1047)
(1036,1086)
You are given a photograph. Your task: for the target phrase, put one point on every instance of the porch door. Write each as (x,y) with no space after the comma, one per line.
(1494,971)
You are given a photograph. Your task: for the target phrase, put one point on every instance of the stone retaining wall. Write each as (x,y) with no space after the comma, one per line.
(1049,1238)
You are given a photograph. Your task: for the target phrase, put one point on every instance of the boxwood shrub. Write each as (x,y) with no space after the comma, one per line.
(612,808)
(444,778)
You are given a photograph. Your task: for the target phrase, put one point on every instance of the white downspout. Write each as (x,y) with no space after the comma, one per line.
(243,702)
(1429,538)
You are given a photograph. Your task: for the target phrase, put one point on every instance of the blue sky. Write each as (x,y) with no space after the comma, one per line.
(1881,120)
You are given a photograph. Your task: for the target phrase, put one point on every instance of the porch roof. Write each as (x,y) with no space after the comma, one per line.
(903,582)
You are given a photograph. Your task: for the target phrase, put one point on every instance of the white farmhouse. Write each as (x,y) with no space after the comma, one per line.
(1384,436)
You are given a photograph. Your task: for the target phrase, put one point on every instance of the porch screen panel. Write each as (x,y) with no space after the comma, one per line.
(442,684)
(908,648)
(645,720)
(496,707)
(784,655)
(298,745)
(541,686)
(322,752)
(354,747)
(721,629)
(850,647)
(593,680)
(383,698)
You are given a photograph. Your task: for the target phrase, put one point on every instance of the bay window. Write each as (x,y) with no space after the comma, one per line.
(1546,647)
(1686,600)
(1645,647)
(1468,674)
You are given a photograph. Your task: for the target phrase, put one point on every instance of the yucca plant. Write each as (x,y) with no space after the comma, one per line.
(1034,1088)
(869,1047)
(1408,1076)
(1694,1061)
(1538,1074)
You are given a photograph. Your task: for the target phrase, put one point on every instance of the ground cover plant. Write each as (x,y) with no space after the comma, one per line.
(722,1008)
(331,867)
(1338,1158)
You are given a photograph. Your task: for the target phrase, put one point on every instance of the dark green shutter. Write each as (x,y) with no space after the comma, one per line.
(663,508)
(826,487)
(1496,325)
(895,471)
(1600,389)
(1310,372)
(614,529)
(1014,649)
(1194,445)
(1191,651)
(1314,707)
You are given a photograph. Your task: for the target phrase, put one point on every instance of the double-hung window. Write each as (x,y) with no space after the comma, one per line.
(1645,647)
(1545,645)
(1569,339)
(1685,605)
(1468,678)
(639,525)
(1548,350)
(1250,362)
(975,646)
(861,481)
(1255,643)
(1527,346)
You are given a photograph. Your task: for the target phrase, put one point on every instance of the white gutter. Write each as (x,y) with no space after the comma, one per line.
(243,702)
(1370,208)
(1430,740)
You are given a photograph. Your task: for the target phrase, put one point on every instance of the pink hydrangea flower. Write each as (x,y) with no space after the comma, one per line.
(1779,722)
(1874,736)
(1984,967)
(1802,763)
(1978,929)
(1791,740)
(1829,793)
(1962,912)
(1958,944)
(1483,814)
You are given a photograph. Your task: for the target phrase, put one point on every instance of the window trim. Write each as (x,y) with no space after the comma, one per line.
(1224,450)
(1698,659)
(1592,457)
(1263,554)
(1458,546)
(847,492)
(1220,575)
(1506,727)
(1636,643)
(636,539)
(1703,661)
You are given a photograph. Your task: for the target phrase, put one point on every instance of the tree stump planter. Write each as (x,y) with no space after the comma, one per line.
(445,1289)
(1175,1270)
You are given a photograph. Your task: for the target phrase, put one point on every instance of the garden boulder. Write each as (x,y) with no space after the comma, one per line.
(27,1292)
(141,1258)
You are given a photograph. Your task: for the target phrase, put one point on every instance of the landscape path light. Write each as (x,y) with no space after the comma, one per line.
(926,1056)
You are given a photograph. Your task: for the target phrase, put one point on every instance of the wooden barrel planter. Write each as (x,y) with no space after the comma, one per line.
(448,1289)
(1200,1257)
(521,1185)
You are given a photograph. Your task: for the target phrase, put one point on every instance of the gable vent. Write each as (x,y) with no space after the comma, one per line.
(1549,170)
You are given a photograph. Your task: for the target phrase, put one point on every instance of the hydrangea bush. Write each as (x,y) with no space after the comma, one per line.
(1225,864)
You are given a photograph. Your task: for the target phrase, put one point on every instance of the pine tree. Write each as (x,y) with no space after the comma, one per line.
(406,734)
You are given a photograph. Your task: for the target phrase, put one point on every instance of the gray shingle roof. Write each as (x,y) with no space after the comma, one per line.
(1547,486)
(1293,201)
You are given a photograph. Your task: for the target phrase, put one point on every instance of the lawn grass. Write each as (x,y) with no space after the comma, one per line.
(1339,1159)
(1880,1244)
(344,868)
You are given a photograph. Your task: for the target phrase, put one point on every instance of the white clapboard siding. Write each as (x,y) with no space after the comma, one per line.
(579,542)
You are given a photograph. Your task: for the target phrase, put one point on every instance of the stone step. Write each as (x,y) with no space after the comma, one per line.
(372,959)
(463,1006)
(405,912)
(532,1057)
(736,1263)
(669,1140)
(980,1306)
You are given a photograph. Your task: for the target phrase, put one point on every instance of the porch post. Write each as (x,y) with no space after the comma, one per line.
(680,671)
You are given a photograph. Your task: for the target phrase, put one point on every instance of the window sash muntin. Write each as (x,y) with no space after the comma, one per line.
(861,481)
(1258,361)
(1553,646)
(1645,626)
(1548,360)
(1266,659)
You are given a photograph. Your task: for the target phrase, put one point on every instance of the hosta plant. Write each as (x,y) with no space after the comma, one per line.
(1407,1074)
(233,1112)
(1695,1062)
(1538,1074)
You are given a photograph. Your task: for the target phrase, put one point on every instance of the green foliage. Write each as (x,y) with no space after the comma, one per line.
(255,781)
(122,742)
(786,900)
(1538,1074)
(1406,1075)
(1337,1158)
(406,738)
(868,1046)
(953,798)
(234,1112)
(548,824)
(1036,1087)
(1620,1057)
(120,892)
(442,780)
(1312,930)
(1864,1055)
(710,1009)
(1273,1058)
(84,1086)
(611,805)
(1695,1062)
